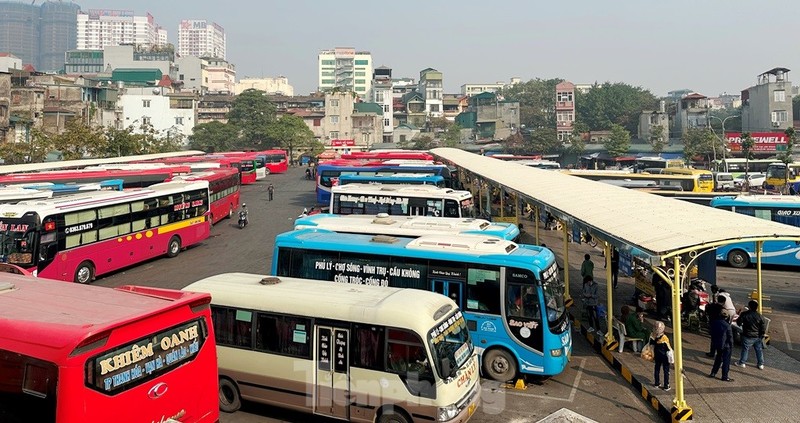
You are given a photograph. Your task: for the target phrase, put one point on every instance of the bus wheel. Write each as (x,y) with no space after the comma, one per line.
(499,365)
(174,246)
(84,273)
(230,211)
(391,416)
(211,219)
(229,399)
(266,171)
(738,259)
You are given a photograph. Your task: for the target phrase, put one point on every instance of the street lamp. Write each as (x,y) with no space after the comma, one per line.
(722,138)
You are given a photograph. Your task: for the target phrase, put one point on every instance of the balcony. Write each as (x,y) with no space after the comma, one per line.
(568,105)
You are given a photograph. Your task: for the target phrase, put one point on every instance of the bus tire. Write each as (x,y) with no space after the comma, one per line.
(390,415)
(174,246)
(266,171)
(84,273)
(229,398)
(211,218)
(230,211)
(499,365)
(738,259)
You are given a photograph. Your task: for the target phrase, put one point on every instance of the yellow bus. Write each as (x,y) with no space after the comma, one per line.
(703,179)
(693,182)
(352,352)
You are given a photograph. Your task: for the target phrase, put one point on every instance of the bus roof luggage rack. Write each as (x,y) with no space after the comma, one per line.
(383,219)
(270,280)
(385,239)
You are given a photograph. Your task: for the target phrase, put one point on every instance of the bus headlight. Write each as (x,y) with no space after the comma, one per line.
(447,413)
(557,352)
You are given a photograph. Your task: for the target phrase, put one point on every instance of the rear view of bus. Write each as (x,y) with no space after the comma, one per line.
(355,353)
(74,353)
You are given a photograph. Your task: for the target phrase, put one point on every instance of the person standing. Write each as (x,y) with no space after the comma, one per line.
(614,267)
(753,331)
(722,344)
(663,299)
(661,347)
(587,267)
(714,312)
(590,302)
(270,191)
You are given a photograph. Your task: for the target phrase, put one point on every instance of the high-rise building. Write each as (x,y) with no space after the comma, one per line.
(99,28)
(201,39)
(38,35)
(346,69)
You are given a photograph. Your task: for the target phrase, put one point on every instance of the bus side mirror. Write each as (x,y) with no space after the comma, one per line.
(447,367)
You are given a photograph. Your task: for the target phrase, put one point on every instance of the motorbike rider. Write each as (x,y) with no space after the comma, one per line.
(243,213)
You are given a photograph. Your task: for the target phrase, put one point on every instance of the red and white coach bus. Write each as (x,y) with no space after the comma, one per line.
(74,353)
(223,184)
(78,237)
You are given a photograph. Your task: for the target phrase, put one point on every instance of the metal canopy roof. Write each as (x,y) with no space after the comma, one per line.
(657,227)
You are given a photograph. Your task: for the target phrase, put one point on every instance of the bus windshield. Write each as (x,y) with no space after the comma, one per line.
(17,240)
(450,345)
(553,296)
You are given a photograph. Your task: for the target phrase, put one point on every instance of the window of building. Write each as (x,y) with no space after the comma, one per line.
(329,62)
(334,120)
(564,117)
(145,120)
(334,103)
(379,96)
(387,122)
(179,120)
(360,89)
(329,81)
(317,122)
(563,136)
(334,135)
(564,96)
(362,62)
(435,108)
(361,74)
(145,103)
(360,81)
(780,116)
(779,95)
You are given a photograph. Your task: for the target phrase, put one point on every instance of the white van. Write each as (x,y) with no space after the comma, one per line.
(723,181)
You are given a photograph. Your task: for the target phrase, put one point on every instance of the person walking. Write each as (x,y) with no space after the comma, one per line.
(270,191)
(722,344)
(587,267)
(589,295)
(753,331)
(661,348)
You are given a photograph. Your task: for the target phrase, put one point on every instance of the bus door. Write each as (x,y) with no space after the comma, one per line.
(332,372)
(450,289)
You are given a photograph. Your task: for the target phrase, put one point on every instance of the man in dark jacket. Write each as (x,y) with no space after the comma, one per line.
(714,312)
(753,331)
(722,343)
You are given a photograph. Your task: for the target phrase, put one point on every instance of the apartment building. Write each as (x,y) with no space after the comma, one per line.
(100,28)
(767,106)
(201,38)
(346,69)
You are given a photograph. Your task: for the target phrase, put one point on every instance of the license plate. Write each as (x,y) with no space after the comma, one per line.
(471,409)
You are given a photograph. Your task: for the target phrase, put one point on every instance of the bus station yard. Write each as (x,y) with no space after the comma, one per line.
(590,386)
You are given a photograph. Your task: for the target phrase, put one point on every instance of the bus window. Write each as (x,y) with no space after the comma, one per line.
(483,290)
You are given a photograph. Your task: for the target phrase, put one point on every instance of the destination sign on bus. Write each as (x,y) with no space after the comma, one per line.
(13,227)
(374,199)
(363,271)
(136,361)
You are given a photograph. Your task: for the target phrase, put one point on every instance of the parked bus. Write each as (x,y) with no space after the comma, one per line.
(71,353)
(703,179)
(132,178)
(248,160)
(413,226)
(81,236)
(739,165)
(777,208)
(42,190)
(541,164)
(398,178)
(657,162)
(328,174)
(663,181)
(388,155)
(401,200)
(248,167)
(223,185)
(511,294)
(780,174)
(351,353)
(275,161)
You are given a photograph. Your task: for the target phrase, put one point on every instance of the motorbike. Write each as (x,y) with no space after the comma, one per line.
(242,220)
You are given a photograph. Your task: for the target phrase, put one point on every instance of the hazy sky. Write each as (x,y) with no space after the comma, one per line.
(709,46)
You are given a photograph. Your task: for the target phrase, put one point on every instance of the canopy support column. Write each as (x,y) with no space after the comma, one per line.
(567,298)
(680,410)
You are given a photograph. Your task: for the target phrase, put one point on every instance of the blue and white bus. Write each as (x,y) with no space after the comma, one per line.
(328,174)
(401,200)
(777,208)
(396,178)
(410,226)
(511,293)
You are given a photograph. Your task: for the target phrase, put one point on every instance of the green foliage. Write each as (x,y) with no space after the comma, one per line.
(786,156)
(119,142)
(423,142)
(290,132)
(747,144)
(796,107)
(251,114)
(576,144)
(537,101)
(516,144)
(452,135)
(619,142)
(613,103)
(658,138)
(77,140)
(698,142)
(439,123)
(545,141)
(34,150)
(213,136)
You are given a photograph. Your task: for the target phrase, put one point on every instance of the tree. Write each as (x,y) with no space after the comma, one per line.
(452,135)
(619,142)
(697,142)
(747,145)
(439,123)
(537,99)
(290,132)
(786,157)
(657,138)
(34,150)
(213,136)
(516,144)
(545,141)
(119,142)
(423,142)
(576,144)
(77,140)
(613,103)
(251,114)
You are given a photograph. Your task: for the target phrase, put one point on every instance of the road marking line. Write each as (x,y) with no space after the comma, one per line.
(788,340)
(572,393)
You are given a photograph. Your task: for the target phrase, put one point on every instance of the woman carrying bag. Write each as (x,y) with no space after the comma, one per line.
(662,355)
